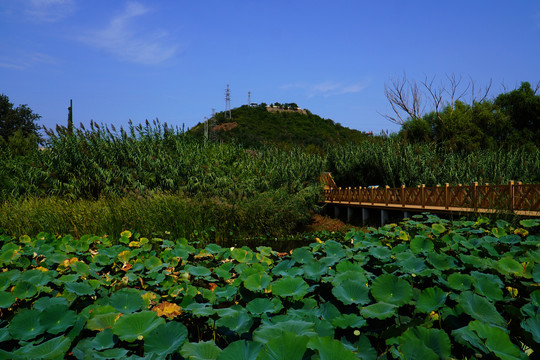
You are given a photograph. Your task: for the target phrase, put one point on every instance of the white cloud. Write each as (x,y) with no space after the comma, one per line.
(124,38)
(49,10)
(329,88)
(21,60)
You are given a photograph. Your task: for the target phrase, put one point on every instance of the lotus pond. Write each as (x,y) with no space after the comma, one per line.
(424,288)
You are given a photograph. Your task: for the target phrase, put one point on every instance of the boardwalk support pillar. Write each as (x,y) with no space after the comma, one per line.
(407,214)
(350,211)
(365,216)
(384,217)
(336,212)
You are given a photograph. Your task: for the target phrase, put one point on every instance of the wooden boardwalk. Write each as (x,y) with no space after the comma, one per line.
(517,198)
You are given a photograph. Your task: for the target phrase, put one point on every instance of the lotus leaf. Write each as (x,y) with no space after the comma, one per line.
(458,281)
(130,327)
(26,325)
(431,299)
(433,339)
(204,350)
(57,318)
(6,299)
(438,228)
(352,292)
(536,273)
(509,266)
(241,255)
(381,253)
(286,346)
(226,292)
(330,349)
(51,349)
(350,275)
(480,308)
(496,340)
(528,223)
(241,350)
(315,270)
(302,255)
(24,290)
(198,270)
(532,325)
(263,305)
(441,261)
(348,321)
(465,336)
(390,289)
(290,286)
(379,310)
(8,277)
(165,338)
(224,270)
(237,321)
(36,277)
(421,244)
(488,288)
(266,332)
(535,298)
(79,288)
(101,322)
(127,300)
(257,282)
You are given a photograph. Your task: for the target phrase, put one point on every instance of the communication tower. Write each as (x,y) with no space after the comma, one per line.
(212,125)
(205,129)
(249,98)
(228,115)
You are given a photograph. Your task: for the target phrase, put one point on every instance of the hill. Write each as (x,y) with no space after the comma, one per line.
(280,125)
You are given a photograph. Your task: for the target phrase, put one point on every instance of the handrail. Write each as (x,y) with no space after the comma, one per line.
(513,197)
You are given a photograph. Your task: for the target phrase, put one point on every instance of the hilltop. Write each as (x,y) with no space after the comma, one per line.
(278,124)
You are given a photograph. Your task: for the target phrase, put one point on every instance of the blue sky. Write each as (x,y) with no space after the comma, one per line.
(121,60)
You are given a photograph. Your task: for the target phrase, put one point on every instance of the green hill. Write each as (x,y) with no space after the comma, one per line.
(282,125)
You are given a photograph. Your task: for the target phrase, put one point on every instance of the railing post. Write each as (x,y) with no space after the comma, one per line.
(403,195)
(386,194)
(349,195)
(423,192)
(372,196)
(446,205)
(511,189)
(475,196)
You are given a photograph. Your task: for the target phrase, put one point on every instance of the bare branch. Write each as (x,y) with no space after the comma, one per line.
(537,87)
(436,94)
(405,99)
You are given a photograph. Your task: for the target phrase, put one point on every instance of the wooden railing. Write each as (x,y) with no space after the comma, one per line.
(513,197)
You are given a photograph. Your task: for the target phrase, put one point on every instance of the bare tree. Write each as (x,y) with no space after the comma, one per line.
(405,99)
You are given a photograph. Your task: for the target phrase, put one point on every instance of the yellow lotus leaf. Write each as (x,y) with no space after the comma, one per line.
(167,309)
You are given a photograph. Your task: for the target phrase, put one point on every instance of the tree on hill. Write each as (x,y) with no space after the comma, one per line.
(18,126)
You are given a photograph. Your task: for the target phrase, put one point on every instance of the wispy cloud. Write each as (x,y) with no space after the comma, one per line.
(329,88)
(21,60)
(125,38)
(49,10)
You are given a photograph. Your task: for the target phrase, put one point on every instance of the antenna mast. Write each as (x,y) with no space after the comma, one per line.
(228,103)
(249,98)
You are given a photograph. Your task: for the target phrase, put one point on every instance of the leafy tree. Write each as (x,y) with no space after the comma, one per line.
(21,118)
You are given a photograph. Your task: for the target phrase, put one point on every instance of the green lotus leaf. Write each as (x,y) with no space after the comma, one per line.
(6,299)
(198,270)
(241,255)
(528,223)
(109,354)
(496,340)
(330,349)
(241,350)
(52,349)
(103,340)
(438,229)
(425,342)
(329,311)
(488,288)
(263,305)
(257,282)
(364,350)
(509,266)
(4,335)
(24,290)
(413,265)
(350,275)
(421,243)
(237,321)
(390,289)
(348,321)
(315,270)
(79,288)
(57,318)
(129,327)
(532,325)
(25,325)
(286,346)
(224,270)
(266,332)
(302,255)
(480,308)
(199,309)
(381,253)
(80,268)
(379,310)
(226,292)
(100,322)
(334,249)
(352,292)
(8,277)
(458,281)
(431,299)
(204,350)
(36,277)
(535,298)
(290,286)
(127,300)
(466,337)
(165,338)
(44,302)
(536,273)
(152,263)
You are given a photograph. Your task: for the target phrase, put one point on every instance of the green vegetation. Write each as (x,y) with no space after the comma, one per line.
(463,289)
(19,133)
(281,125)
